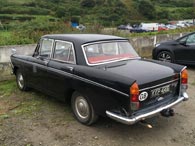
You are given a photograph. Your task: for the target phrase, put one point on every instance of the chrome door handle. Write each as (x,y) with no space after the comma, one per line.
(46,62)
(70,68)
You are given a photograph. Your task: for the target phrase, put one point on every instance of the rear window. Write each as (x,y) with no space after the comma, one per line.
(109,51)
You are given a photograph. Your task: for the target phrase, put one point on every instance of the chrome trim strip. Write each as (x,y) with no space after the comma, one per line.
(87,80)
(98,84)
(158,85)
(85,56)
(51,50)
(77,77)
(54,48)
(133,119)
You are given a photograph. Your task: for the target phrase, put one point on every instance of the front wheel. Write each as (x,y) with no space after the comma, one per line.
(82,109)
(165,56)
(21,81)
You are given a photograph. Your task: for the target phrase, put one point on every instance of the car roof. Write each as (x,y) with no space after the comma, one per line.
(80,39)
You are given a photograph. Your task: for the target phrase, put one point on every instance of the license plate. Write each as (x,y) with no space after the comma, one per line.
(160,91)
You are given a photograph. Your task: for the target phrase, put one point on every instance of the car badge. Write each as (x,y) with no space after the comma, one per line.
(143,96)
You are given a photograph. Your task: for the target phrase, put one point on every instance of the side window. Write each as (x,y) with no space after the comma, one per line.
(45,47)
(64,52)
(191,40)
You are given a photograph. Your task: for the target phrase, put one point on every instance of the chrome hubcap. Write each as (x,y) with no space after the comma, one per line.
(82,107)
(20,81)
(164,57)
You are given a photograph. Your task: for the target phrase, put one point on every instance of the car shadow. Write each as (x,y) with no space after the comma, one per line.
(108,126)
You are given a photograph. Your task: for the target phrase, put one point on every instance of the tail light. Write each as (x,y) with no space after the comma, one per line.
(134,95)
(184,80)
(184,76)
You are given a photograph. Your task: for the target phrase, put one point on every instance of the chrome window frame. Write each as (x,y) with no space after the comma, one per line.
(106,62)
(54,48)
(51,51)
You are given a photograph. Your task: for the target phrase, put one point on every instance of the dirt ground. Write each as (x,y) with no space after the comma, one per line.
(33,119)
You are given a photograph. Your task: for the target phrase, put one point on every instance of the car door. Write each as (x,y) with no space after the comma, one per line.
(61,68)
(185,51)
(38,75)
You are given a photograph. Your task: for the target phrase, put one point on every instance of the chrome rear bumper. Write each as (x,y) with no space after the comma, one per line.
(133,119)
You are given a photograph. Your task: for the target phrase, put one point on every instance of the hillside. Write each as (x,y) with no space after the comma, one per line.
(105,12)
(24,21)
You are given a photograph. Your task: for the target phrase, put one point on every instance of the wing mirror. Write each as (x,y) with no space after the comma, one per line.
(182,43)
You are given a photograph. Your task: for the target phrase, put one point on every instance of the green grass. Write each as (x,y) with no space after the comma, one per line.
(13,38)
(9,17)
(5,34)
(7,88)
(19,1)
(13,102)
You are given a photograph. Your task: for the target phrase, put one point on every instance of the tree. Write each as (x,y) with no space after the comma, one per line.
(60,12)
(147,9)
(163,14)
(87,3)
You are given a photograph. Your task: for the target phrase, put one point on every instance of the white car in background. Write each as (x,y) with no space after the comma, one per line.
(81,27)
(149,26)
(171,26)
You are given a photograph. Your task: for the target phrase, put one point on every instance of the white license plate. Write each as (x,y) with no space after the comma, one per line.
(160,91)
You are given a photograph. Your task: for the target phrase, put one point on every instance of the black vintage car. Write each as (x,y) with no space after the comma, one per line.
(101,75)
(181,50)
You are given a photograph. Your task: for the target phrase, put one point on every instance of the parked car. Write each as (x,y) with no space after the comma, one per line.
(81,27)
(181,50)
(162,27)
(124,27)
(101,75)
(181,24)
(149,26)
(138,30)
(171,26)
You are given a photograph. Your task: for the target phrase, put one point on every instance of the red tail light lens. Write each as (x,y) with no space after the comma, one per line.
(134,95)
(184,76)
(134,91)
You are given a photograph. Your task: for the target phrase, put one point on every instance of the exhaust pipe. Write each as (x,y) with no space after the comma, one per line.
(146,124)
(168,113)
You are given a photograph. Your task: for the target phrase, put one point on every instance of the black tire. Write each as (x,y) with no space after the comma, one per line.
(82,109)
(165,56)
(20,80)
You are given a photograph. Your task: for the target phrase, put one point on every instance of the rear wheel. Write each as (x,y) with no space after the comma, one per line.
(21,81)
(82,109)
(165,56)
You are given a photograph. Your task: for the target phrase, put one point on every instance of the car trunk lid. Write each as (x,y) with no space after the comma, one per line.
(157,82)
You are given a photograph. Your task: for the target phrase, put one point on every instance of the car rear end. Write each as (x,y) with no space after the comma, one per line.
(158,97)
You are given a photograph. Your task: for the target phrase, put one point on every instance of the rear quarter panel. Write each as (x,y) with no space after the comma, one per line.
(105,90)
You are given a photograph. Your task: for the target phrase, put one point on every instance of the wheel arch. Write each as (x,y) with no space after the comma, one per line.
(167,50)
(15,68)
(68,95)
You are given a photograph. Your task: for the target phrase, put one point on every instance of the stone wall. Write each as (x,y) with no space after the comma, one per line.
(5,71)
(143,45)
(6,51)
